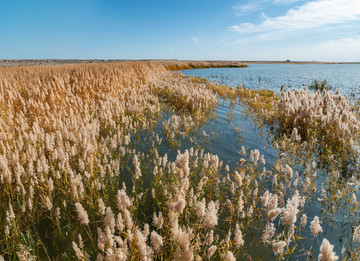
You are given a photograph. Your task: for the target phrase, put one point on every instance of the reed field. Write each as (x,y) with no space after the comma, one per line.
(85,172)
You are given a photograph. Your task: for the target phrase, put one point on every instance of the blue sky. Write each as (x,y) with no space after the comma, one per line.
(306,30)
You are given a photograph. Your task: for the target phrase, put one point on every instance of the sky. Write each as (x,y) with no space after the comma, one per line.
(245,30)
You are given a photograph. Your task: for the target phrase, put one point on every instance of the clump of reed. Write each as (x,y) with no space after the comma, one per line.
(324,120)
(176,93)
(262,103)
(319,85)
(225,92)
(321,122)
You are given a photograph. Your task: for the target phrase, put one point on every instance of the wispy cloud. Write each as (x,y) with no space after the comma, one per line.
(310,15)
(250,7)
(198,38)
(195,39)
(344,49)
(286,2)
(348,45)
(257,5)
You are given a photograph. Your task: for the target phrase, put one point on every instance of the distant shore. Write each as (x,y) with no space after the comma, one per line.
(296,62)
(169,64)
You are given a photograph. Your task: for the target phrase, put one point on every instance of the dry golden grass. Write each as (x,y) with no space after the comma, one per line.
(66,131)
(82,175)
(174,65)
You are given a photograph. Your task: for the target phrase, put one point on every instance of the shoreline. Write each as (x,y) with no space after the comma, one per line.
(169,64)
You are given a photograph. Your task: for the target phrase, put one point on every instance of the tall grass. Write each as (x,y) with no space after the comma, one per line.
(175,65)
(82,174)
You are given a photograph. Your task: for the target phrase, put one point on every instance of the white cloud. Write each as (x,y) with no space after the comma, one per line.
(198,38)
(310,15)
(345,49)
(344,43)
(337,50)
(256,5)
(286,2)
(244,9)
(195,39)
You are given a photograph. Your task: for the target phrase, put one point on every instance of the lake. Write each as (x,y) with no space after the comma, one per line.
(344,77)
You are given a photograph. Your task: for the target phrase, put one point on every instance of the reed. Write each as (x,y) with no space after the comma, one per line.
(83,174)
(176,65)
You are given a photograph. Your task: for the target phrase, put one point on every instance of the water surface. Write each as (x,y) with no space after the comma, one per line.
(344,77)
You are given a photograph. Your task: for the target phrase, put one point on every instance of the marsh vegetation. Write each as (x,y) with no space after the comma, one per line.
(109,162)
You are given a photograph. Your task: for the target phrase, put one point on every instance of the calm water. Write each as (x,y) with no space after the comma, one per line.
(241,131)
(344,77)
